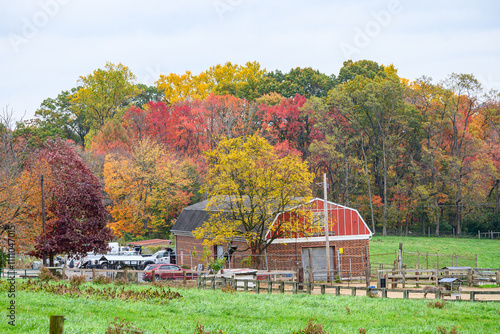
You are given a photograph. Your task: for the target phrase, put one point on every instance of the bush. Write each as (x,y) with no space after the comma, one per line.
(443,330)
(312,328)
(121,281)
(437,304)
(46,275)
(200,329)
(101,279)
(122,326)
(77,280)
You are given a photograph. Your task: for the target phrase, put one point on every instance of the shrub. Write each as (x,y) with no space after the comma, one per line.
(121,281)
(101,279)
(46,275)
(122,326)
(200,329)
(443,330)
(76,280)
(312,328)
(437,304)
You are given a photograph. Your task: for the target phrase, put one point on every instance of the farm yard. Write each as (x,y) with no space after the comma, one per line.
(248,312)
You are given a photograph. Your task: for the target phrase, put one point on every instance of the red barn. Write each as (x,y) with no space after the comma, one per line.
(348,241)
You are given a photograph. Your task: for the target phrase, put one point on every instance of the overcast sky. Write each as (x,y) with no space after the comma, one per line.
(46,45)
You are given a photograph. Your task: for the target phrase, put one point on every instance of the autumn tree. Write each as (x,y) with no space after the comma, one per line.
(105,93)
(148,187)
(76,216)
(248,184)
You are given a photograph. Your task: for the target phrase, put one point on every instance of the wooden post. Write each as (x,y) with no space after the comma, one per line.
(310,269)
(479,234)
(472,296)
(309,287)
(323,288)
(184,277)
(270,287)
(469,277)
(498,277)
(437,275)
(337,290)
(353,291)
(368,273)
(417,274)
(93,273)
(56,324)
(405,294)
(257,287)
(245,285)
(403,276)
(282,287)
(153,278)
(295,288)
(213,283)
(384,293)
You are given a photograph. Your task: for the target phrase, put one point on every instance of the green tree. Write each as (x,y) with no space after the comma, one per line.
(105,94)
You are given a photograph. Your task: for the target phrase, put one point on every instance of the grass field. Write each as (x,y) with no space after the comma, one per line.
(248,313)
(488,250)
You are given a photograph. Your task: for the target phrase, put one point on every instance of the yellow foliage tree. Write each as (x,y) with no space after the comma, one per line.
(248,185)
(148,188)
(228,79)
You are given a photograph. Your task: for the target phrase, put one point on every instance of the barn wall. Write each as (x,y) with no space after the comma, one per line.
(279,256)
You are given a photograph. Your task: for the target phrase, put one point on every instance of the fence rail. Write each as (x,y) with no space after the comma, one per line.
(476,276)
(257,286)
(488,235)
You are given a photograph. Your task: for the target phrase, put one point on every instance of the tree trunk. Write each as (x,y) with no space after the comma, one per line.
(368,184)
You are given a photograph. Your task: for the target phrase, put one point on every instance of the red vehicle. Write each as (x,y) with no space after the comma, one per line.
(166,272)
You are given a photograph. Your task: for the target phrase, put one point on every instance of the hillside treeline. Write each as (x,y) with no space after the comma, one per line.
(410,156)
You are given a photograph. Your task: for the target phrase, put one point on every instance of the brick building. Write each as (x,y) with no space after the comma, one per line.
(348,241)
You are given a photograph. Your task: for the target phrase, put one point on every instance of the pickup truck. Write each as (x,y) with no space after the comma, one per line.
(163,256)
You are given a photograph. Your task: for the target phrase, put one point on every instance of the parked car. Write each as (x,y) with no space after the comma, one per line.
(166,272)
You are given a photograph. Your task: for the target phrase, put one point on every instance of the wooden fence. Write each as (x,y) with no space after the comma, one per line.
(416,277)
(488,235)
(257,286)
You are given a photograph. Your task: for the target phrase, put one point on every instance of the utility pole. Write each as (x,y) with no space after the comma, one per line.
(44,255)
(327,232)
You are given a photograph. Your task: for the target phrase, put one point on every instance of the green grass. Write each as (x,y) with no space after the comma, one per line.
(249,313)
(486,249)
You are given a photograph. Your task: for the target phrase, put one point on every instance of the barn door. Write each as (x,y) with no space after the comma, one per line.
(318,255)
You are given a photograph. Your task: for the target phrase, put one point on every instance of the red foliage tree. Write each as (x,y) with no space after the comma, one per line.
(76,215)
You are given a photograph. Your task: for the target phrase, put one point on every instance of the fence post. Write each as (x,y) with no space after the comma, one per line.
(437,274)
(384,293)
(337,290)
(323,286)
(257,287)
(56,324)
(469,277)
(270,287)
(184,277)
(498,277)
(245,285)
(213,283)
(282,287)
(294,288)
(405,294)
(479,234)
(353,291)
(93,273)
(472,295)
(309,287)
(153,276)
